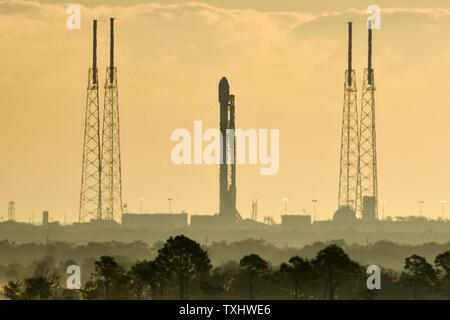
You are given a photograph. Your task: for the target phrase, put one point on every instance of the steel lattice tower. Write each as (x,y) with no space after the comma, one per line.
(367,181)
(112,208)
(227,174)
(348,176)
(90,195)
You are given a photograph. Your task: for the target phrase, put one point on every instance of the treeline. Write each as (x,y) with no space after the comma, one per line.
(27,253)
(19,257)
(182,269)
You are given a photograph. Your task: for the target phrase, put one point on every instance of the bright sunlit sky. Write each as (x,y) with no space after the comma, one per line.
(285,61)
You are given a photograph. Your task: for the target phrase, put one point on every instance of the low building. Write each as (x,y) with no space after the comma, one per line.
(155,221)
(216,222)
(295,221)
(206,221)
(97,224)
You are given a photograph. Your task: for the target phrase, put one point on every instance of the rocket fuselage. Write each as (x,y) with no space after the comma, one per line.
(227,175)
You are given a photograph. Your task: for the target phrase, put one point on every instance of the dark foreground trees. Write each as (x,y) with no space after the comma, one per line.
(255,269)
(149,278)
(107,270)
(301,275)
(181,269)
(418,274)
(335,268)
(42,285)
(185,260)
(442,263)
(180,261)
(12,290)
(143,275)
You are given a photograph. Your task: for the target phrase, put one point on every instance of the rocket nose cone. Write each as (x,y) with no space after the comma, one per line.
(224,90)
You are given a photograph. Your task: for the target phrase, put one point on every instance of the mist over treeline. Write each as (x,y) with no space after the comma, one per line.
(408,230)
(19,258)
(181,268)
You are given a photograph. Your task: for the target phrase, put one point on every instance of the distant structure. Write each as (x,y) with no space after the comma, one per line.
(367,180)
(44,217)
(269,220)
(166,221)
(11,211)
(255,210)
(345,215)
(111,175)
(348,175)
(227,175)
(421,202)
(314,209)
(295,221)
(204,221)
(90,195)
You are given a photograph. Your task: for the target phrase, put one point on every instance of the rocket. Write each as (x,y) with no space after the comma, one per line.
(227,174)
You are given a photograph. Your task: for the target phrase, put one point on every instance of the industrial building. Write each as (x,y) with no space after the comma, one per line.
(295,221)
(155,221)
(205,221)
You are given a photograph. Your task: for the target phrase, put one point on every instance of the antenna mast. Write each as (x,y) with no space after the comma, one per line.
(368,180)
(112,207)
(90,195)
(348,173)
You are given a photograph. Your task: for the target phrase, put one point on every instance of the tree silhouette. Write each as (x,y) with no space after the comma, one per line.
(122,286)
(93,289)
(210,289)
(302,274)
(45,268)
(12,290)
(220,280)
(160,277)
(335,268)
(108,270)
(38,288)
(442,263)
(181,265)
(148,274)
(44,284)
(418,272)
(255,268)
(139,275)
(185,260)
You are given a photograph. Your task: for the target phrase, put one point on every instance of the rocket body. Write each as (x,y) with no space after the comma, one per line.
(227,174)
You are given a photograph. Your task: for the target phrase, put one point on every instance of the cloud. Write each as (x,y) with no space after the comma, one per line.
(430,12)
(164,15)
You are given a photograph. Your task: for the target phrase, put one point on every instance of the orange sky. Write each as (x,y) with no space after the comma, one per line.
(285,66)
